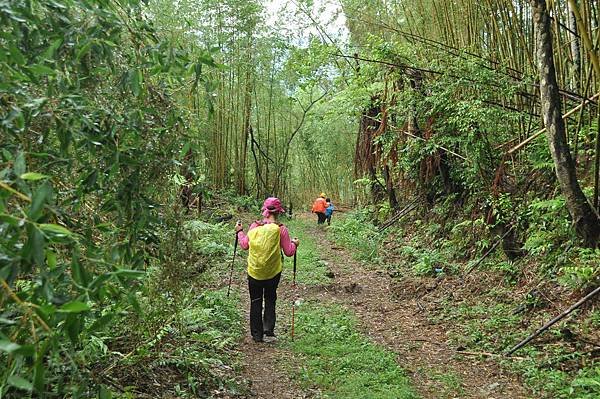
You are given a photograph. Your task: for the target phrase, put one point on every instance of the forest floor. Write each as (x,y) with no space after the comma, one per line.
(398,324)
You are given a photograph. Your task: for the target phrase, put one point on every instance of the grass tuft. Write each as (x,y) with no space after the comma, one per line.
(341,362)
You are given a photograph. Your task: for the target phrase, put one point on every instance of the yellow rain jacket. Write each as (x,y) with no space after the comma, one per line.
(264,257)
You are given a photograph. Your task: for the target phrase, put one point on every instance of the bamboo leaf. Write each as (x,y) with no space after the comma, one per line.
(33,176)
(135,82)
(40,70)
(20,383)
(40,197)
(104,393)
(129,273)
(55,229)
(8,346)
(74,307)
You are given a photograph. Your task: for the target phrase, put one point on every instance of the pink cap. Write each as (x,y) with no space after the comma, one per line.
(272,205)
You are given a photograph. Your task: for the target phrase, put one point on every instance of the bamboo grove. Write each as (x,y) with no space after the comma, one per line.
(472,70)
(115,115)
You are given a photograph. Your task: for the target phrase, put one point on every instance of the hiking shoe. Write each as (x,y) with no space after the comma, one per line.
(270,339)
(257,339)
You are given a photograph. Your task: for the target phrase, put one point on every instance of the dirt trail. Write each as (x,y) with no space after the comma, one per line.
(263,361)
(436,370)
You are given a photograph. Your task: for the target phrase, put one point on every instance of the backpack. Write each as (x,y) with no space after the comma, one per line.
(264,256)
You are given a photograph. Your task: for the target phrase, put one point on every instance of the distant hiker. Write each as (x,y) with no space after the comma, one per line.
(329,211)
(319,207)
(267,239)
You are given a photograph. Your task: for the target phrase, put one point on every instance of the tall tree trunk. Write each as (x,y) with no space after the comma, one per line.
(389,186)
(365,163)
(585,219)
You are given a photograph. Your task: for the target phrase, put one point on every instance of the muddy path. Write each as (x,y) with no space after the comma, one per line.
(397,323)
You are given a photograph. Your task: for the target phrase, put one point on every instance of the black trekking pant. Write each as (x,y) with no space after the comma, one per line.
(320,217)
(259,290)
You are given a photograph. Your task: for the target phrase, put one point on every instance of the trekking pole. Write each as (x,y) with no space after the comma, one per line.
(293,296)
(235,244)
(294,278)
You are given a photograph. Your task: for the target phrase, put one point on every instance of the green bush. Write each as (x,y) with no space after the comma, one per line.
(359,235)
(209,240)
(582,270)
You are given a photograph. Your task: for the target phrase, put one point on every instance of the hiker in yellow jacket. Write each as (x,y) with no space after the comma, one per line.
(266,239)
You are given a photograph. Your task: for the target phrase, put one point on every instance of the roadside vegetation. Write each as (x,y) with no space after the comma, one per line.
(491,307)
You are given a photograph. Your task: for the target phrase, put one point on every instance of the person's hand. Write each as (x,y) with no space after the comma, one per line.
(238,226)
(296,242)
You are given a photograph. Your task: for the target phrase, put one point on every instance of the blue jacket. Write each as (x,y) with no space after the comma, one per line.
(329,210)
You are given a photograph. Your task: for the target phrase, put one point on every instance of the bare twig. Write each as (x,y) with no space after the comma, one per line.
(489,251)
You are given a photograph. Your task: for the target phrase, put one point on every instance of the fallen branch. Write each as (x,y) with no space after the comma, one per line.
(488,354)
(405,211)
(553,321)
(489,251)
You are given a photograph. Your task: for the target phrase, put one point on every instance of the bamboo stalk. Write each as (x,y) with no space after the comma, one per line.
(584,33)
(15,192)
(553,321)
(540,132)
(597,165)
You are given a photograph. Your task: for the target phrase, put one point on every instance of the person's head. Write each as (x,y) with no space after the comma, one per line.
(328,200)
(322,195)
(272,207)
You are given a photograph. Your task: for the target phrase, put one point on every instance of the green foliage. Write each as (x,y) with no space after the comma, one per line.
(466,237)
(192,343)
(209,240)
(549,226)
(452,384)
(426,262)
(90,133)
(357,233)
(585,386)
(340,361)
(582,269)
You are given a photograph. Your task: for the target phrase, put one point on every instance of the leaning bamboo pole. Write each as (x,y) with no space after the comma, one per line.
(541,131)
(585,36)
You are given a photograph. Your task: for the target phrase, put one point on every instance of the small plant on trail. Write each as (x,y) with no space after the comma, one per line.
(585,386)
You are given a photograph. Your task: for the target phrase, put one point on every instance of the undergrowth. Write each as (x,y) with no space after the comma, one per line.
(180,341)
(507,298)
(356,232)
